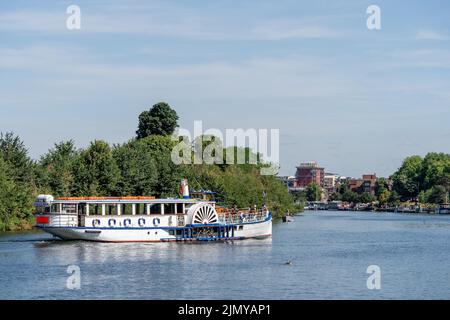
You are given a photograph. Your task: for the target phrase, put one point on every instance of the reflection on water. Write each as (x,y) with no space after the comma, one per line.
(329,251)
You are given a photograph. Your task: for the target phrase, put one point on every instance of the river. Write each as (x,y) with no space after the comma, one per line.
(329,253)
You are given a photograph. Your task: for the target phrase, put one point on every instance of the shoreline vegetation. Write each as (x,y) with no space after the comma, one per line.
(143,166)
(420,185)
(140,166)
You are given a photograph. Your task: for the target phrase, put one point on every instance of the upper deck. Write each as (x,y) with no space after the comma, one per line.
(114,205)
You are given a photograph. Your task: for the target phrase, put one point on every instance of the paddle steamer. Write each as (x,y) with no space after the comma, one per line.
(147,219)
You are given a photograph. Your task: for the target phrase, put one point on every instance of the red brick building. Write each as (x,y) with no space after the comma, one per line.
(308,173)
(366,184)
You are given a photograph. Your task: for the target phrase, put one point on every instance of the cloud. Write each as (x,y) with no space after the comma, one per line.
(177,23)
(430,35)
(287,29)
(286,77)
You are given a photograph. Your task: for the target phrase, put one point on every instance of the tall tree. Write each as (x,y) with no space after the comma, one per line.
(406,180)
(313,192)
(96,172)
(17,183)
(161,119)
(138,168)
(58,166)
(14,153)
(159,149)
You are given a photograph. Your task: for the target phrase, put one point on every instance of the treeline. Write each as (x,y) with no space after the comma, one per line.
(426,180)
(141,166)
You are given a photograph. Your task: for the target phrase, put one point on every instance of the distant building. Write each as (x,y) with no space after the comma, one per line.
(289,181)
(308,173)
(330,182)
(366,184)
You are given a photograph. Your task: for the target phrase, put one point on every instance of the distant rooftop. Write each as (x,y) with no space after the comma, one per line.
(311,164)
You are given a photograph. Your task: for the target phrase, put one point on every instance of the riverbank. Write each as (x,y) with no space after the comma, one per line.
(402,208)
(17,225)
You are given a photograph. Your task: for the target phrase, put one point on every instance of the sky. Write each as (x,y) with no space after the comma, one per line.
(354,100)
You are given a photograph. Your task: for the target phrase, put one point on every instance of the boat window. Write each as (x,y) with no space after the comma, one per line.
(241,227)
(169,208)
(55,207)
(171,232)
(127,208)
(46,209)
(95,209)
(155,208)
(187,206)
(82,208)
(111,209)
(140,208)
(69,208)
(180,208)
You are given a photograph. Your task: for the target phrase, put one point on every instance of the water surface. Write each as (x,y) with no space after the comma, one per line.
(330,253)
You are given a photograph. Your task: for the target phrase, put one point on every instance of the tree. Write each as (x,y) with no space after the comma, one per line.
(350,196)
(437,194)
(406,180)
(58,165)
(96,173)
(313,192)
(138,168)
(394,198)
(14,153)
(366,197)
(384,196)
(169,174)
(335,196)
(161,119)
(435,171)
(16,184)
(381,185)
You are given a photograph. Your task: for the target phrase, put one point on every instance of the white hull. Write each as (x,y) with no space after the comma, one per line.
(148,220)
(249,230)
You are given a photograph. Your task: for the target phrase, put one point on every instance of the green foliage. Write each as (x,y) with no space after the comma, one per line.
(437,194)
(241,185)
(165,181)
(313,192)
(58,168)
(14,153)
(335,196)
(95,171)
(17,185)
(428,179)
(394,198)
(381,186)
(161,119)
(407,178)
(384,196)
(137,167)
(366,197)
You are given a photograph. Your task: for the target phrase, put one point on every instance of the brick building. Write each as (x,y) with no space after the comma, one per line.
(366,184)
(308,173)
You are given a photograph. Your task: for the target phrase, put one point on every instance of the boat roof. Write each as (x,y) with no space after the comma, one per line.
(113,200)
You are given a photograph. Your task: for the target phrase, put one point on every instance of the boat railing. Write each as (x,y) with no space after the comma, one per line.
(63,220)
(242,217)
